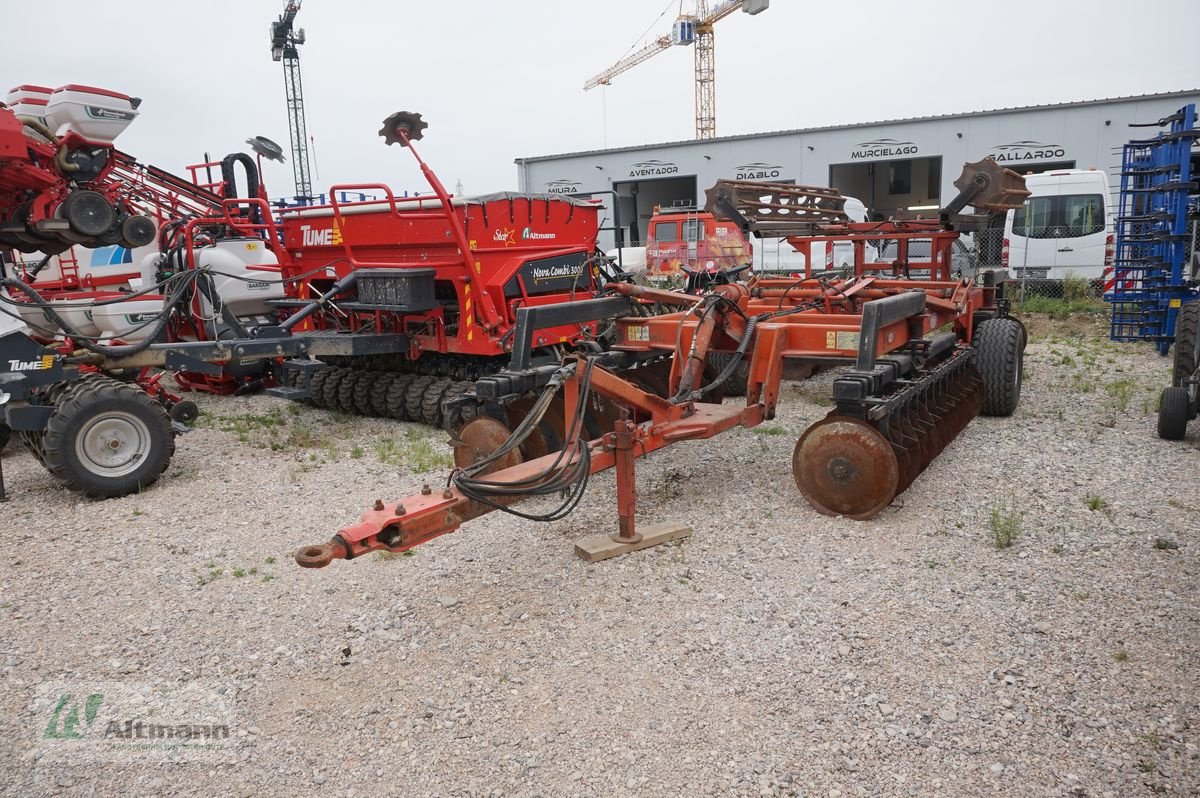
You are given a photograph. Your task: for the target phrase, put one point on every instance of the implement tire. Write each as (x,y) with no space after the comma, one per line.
(107,439)
(1187,343)
(415,398)
(431,405)
(998,356)
(1174,412)
(5,434)
(363,392)
(316,382)
(379,393)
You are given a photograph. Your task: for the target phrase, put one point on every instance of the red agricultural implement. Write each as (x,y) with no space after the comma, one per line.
(922,358)
(447,276)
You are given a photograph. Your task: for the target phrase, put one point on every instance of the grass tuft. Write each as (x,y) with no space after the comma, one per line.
(1004,521)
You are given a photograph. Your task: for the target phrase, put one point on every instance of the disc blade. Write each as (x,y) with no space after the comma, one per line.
(844,466)
(480,437)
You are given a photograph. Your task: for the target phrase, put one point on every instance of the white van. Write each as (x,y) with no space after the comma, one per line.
(777,255)
(1065,228)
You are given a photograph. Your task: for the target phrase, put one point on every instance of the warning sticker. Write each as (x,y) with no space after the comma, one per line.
(847,340)
(831,340)
(637,333)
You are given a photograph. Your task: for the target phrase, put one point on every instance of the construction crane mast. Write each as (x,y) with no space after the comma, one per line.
(689,29)
(285,39)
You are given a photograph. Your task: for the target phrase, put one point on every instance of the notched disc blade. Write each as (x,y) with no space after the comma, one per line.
(408,121)
(844,466)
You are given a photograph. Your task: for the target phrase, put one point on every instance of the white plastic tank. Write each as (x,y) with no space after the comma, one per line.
(131,321)
(29,100)
(97,115)
(243,290)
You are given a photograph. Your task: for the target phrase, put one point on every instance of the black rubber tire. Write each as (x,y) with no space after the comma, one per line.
(1174,412)
(431,405)
(398,396)
(735,383)
(316,383)
(452,417)
(347,389)
(379,394)
(415,398)
(1187,343)
(362,393)
(77,409)
(329,391)
(1001,364)
(5,434)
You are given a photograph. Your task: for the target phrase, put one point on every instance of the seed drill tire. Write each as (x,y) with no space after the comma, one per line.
(1174,411)
(316,384)
(431,405)
(998,358)
(397,394)
(415,397)
(84,405)
(5,434)
(329,391)
(452,417)
(379,393)
(1187,343)
(735,383)
(347,388)
(363,392)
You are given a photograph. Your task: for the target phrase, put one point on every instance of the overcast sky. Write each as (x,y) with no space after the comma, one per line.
(500,80)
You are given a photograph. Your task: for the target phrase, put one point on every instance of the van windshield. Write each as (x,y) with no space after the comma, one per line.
(1061,216)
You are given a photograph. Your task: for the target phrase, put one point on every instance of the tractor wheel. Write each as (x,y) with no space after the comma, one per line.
(316,382)
(397,396)
(1187,343)
(431,405)
(379,394)
(1174,412)
(998,357)
(5,434)
(362,391)
(415,397)
(329,391)
(107,439)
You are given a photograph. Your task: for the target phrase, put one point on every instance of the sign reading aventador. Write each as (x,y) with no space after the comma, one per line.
(883,148)
(758,171)
(1027,150)
(652,168)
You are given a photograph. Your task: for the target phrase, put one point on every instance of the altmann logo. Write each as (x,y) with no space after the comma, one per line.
(758,171)
(1027,150)
(330,237)
(41,364)
(563,186)
(529,234)
(883,148)
(651,168)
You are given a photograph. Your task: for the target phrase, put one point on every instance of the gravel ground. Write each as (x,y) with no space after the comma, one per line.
(776,652)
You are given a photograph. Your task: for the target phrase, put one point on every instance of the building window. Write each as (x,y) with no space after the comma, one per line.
(900,177)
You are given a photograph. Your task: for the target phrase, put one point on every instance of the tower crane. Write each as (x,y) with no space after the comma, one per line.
(689,29)
(285,39)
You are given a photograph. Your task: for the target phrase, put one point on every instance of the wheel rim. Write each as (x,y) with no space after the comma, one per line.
(113,445)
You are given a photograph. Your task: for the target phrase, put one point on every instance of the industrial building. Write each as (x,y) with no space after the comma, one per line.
(898,168)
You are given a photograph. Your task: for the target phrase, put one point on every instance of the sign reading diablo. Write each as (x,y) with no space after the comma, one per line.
(758,171)
(1027,150)
(883,148)
(652,168)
